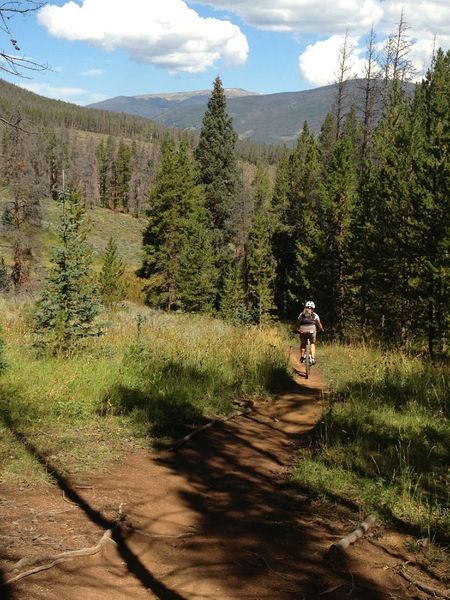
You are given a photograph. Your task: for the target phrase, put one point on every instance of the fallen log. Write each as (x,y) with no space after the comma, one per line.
(354,535)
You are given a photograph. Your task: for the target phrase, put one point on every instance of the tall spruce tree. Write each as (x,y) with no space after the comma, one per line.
(218,170)
(391,231)
(337,193)
(431,201)
(260,262)
(176,230)
(68,305)
(261,268)
(295,206)
(105,159)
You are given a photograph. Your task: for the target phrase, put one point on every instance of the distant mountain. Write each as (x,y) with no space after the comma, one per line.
(264,118)
(162,107)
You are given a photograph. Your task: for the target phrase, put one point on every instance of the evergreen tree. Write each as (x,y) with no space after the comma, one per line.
(197,271)
(123,166)
(177,229)
(295,209)
(391,229)
(233,305)
(111,282)
(337,193)
(431,201)
(104,165)
(218,169)
(68,305)
(261,268)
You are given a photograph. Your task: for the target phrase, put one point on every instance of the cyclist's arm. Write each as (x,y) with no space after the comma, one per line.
(319,325)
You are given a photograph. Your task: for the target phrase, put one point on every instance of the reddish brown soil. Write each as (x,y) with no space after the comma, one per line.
(214,519)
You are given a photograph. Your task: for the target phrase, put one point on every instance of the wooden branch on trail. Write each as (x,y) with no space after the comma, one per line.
(423,586)
(56,559)
(354,535)
(206,426)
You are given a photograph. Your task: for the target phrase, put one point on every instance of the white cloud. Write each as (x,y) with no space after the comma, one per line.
(429,17)
(305,16)
(67,94)
(168,34)
(428,26)
(326,18)
(318,64)
(92,72)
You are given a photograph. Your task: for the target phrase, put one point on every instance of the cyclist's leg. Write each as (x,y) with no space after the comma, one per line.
(303,338)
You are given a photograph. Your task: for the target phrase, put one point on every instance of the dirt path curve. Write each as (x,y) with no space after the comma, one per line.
(214,519)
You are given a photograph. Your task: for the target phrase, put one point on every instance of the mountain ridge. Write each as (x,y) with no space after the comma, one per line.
(275,118)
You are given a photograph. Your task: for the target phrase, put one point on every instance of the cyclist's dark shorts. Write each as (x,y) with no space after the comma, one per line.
(308,333)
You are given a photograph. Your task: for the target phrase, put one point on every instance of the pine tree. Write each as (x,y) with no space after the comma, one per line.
(177,229)
(123,166)
(104,162)
(261,268)
(197,271)
(431,201)
(233,305)
(111,283)
(68,305)
(337,193)
(295,208)
(391,230)
(217,164)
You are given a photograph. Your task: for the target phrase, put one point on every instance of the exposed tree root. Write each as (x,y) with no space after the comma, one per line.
(56,559)
(436,592)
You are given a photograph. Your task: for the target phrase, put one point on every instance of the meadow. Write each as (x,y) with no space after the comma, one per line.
(383,443)
(148,379)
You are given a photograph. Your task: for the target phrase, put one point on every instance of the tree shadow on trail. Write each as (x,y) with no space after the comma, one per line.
(184,397)
(5,589)
(261,537)
(133,563)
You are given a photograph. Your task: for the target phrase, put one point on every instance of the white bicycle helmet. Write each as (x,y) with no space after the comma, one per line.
(310,304)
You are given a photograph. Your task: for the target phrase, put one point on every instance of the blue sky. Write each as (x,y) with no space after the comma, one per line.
(97,49)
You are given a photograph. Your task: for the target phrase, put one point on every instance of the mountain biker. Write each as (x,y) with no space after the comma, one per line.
(308,323)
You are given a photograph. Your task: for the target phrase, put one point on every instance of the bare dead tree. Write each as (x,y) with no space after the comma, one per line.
(397,66)
(13,61)
(343,75)
(23,209)
(370,89)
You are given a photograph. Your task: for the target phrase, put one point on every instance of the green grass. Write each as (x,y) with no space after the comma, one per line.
(384,440)
(126,388)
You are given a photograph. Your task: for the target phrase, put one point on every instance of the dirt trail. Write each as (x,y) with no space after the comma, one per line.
(214,519)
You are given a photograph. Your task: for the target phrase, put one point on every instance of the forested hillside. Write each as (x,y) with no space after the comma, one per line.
(354,217)
(264,118)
